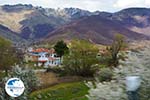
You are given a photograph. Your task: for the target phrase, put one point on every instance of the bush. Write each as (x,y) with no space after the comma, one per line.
(29,78)
(105,74)
(57,70)
(106,91)
(137,64)
(81,60)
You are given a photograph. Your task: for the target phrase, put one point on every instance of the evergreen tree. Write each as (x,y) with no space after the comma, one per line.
(61,48)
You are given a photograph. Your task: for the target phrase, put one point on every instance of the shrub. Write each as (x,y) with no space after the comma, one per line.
(81,59)
(137,64)
(27,76)
(105,74)
(57,70)
(106,91)
(54,69)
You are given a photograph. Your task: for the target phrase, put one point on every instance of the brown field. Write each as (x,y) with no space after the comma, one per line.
(49,79)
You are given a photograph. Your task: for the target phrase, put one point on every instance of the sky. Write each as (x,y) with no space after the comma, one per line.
(91,5)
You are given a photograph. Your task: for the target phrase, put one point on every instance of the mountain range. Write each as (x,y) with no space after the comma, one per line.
(27,23)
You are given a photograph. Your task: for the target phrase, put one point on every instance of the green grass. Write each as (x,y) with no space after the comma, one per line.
(63,91)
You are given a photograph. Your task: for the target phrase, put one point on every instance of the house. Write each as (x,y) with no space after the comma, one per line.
(42,57)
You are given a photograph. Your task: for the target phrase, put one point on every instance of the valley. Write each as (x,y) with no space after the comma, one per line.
(74,54)
(47,24)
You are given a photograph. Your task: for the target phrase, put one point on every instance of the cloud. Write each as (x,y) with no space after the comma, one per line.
(129,3)
(147,2)
(92,5)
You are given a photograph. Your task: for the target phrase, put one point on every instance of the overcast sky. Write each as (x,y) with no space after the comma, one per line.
(91,5)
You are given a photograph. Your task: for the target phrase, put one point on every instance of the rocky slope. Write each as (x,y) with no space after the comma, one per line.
(135,19)
(34,23)
(96,29)
(10,35)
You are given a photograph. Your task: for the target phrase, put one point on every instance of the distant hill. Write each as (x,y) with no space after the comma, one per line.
(10,35)
(95,29)
(35,23)
(135,19)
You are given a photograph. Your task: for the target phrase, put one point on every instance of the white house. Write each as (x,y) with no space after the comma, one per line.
(44,57)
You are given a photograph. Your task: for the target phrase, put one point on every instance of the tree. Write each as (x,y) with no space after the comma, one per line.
(61,48)
(106,91)
(7,55)
(137,64)
(82,59)
(29,79)
(115,48)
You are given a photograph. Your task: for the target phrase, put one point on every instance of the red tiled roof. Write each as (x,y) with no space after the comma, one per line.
(43,50)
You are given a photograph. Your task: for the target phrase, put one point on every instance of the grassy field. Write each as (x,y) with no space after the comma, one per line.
(63,91)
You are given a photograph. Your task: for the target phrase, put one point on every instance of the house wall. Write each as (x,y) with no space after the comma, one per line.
(43,56)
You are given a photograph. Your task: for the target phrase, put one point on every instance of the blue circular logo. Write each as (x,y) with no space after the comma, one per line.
(14,87)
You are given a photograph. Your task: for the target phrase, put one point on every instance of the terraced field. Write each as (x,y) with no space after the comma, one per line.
(63,91)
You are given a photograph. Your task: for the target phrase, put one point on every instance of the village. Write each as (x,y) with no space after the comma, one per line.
(74,50)
(42,57)
(67,66)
